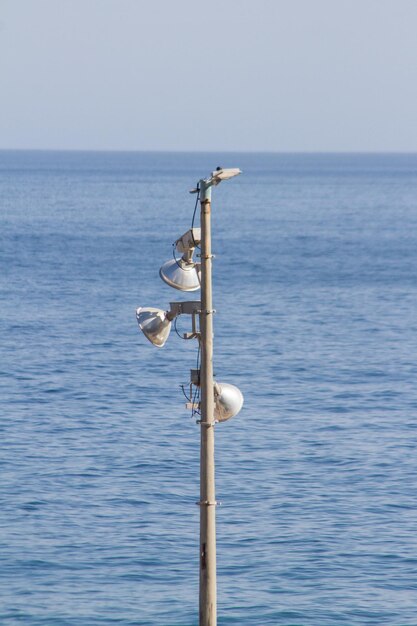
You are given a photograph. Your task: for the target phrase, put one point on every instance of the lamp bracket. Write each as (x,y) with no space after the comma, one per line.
(189,307)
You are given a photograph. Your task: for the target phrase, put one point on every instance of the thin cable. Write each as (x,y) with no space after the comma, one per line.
(175,258)
(198,356)
(192,226)
(175,328)
(196,395)
(186,397)
(192,221)
(195,398)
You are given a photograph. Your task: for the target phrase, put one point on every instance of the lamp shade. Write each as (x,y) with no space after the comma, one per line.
(228,400)
(180,274)
(154,324)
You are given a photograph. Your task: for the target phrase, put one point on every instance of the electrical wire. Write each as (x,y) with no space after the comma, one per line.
(196,398)
(192,221)
(197,387)
(198,356)
(196,395)
(185,395)
(175,328)
(192,226)
(175,258)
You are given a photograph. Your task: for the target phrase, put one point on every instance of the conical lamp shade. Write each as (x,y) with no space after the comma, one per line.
(154,325)
(180,275)
(228,400)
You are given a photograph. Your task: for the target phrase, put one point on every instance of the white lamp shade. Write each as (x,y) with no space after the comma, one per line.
(180,275)
(228,400)
(154,325)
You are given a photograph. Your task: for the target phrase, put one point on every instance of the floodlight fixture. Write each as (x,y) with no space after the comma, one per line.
(156,323)
(183,273)
(228,400)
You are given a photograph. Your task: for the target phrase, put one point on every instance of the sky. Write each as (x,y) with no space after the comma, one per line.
(231,75)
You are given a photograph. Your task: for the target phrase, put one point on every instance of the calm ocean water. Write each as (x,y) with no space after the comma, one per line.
(315,284)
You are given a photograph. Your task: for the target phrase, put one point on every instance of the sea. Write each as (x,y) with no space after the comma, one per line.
(315,291)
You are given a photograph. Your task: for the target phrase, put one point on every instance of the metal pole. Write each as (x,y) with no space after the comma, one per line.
(208,600)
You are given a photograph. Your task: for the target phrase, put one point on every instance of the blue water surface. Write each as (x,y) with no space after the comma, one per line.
(315,287)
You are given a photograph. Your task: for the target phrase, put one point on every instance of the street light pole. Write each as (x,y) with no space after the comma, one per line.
(208,591)
(218,402)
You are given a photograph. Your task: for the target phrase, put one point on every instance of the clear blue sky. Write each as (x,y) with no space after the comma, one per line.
(273,75)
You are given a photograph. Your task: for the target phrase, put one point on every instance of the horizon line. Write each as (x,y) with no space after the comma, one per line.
(160,151)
